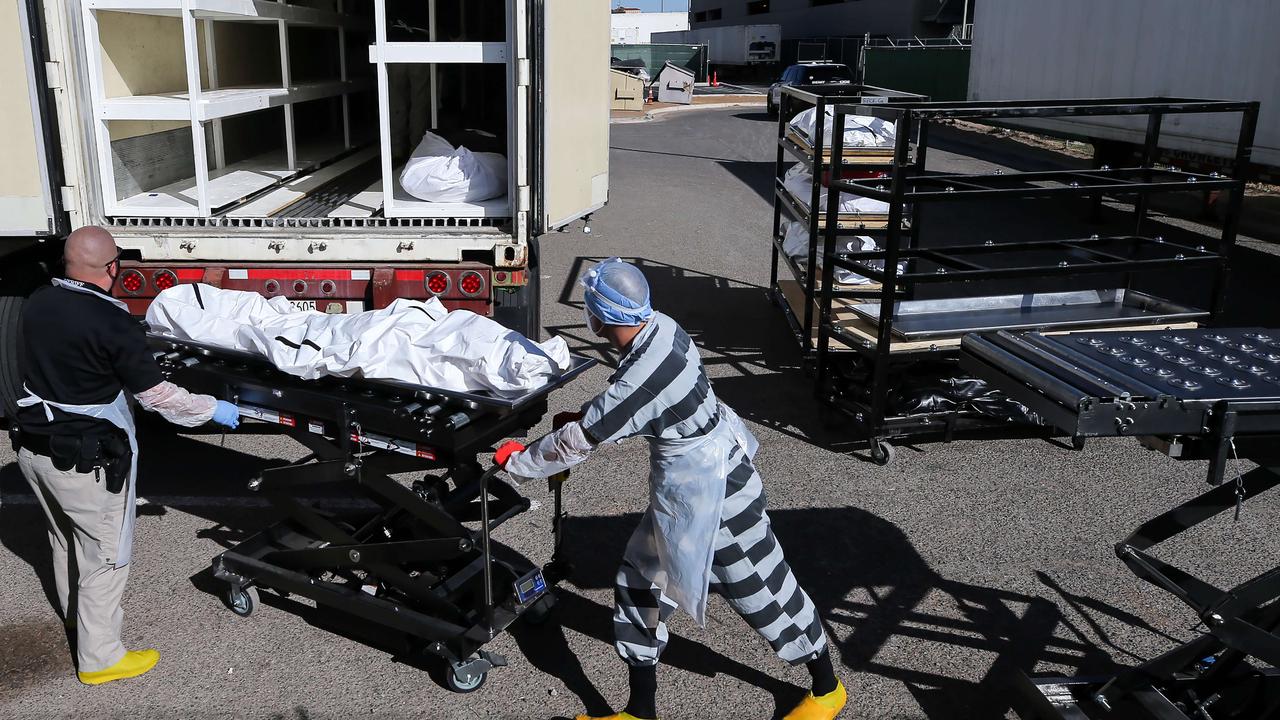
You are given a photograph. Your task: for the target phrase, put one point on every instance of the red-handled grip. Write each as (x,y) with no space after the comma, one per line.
(505,451)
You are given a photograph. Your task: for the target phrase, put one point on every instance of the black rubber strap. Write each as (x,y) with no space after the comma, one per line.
(296,346)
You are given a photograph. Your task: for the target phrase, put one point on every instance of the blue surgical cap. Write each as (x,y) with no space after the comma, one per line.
(617,293)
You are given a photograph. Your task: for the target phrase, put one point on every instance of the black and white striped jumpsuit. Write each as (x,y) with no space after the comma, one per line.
(661,392)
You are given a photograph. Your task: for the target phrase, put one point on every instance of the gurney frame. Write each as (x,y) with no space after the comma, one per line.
(401,556)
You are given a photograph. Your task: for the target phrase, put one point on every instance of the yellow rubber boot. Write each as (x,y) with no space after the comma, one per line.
(615,716)
(823,707)
(133,664)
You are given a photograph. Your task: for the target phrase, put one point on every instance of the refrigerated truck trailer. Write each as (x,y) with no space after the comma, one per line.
(731,44)
(249,144)
(1140,48)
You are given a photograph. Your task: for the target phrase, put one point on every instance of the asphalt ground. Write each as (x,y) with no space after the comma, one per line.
(941,577)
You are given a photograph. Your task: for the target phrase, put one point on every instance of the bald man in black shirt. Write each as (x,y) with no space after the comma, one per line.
(83,356)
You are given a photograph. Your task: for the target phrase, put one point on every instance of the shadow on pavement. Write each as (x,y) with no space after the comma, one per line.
(873,590)
(866,578)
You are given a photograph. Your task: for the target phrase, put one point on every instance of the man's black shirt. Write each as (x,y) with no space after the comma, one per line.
(79,349)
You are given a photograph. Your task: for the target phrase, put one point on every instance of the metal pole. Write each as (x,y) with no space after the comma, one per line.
(484,548)
(964,23)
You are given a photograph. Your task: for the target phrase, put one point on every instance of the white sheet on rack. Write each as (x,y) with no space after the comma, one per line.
(799,182)
(795,243)
(410,341)
(439,172)
(859,130)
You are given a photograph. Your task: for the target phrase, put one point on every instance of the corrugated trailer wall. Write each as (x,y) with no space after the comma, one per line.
(1032,49)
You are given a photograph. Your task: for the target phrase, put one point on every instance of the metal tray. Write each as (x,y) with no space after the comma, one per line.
(950,317)
(579,364)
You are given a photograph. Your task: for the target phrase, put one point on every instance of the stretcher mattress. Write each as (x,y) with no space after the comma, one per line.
(410,341)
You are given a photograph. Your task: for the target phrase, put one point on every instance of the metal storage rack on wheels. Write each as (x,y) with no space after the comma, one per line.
(898,328)
(796,295)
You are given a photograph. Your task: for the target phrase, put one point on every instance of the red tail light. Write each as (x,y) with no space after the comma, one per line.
(472,282)
(132,281)
(164,279)
(299,286)
(438,282)
(271,287)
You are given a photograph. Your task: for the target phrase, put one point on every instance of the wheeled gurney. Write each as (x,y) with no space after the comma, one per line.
(1207,394)
(418,560)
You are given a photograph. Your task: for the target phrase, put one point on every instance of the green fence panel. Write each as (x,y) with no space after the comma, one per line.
(942,73)
(691,57)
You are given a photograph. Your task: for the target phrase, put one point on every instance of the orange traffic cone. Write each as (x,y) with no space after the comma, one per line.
(715,79)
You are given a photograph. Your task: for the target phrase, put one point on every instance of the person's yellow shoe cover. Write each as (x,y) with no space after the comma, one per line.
(823,707)
(615,716)
(133,664)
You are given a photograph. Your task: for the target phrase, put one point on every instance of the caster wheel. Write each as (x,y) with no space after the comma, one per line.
(243,600)
(1077,443)
(882,453)
(586,230)
(464,683)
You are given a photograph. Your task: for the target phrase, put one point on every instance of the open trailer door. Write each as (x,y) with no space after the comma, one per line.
(28,206)
(572,120)
(30,210)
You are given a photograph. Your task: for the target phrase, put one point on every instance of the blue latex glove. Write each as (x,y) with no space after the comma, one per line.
(226,414)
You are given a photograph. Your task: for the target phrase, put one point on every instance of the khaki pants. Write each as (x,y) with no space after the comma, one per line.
(81,513)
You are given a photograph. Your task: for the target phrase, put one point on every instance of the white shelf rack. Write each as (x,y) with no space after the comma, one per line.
(221,103)
(207,190)
(398,203)
(232,10)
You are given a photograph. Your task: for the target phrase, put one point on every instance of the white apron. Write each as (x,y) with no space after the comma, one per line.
(119,413)
(675,541)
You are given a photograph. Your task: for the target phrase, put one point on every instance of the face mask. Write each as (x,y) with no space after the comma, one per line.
(593,323)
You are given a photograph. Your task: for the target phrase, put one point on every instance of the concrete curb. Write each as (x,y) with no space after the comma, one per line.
(655,114)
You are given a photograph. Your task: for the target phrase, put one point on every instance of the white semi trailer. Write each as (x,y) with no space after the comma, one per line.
(1138,48)
(257,145)
(731,44)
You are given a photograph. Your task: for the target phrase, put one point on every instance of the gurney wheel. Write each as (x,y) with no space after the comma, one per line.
(882,453)
(464,683)
(242,600)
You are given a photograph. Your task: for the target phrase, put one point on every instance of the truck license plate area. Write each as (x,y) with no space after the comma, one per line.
(303,304)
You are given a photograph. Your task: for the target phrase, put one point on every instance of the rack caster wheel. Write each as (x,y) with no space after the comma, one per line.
(462,681)
(882,453)
(242,600)
(1077,443)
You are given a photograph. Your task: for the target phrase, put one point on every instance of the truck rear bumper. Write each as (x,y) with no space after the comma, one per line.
(326,288)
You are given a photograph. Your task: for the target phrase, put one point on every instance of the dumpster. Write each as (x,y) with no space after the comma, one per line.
(675,85)
(628,91)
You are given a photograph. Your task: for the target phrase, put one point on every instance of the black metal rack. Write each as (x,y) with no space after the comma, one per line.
(1194,395)
(1031,262)
(818,159)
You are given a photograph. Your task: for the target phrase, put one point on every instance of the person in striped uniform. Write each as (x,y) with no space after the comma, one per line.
(706,529)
